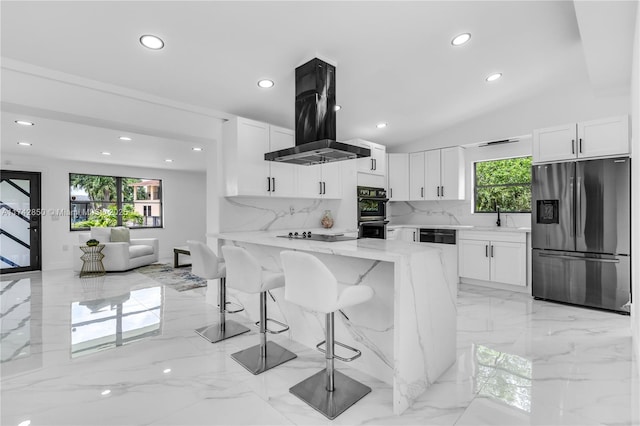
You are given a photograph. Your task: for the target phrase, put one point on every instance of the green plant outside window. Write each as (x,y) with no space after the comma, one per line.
(503,183)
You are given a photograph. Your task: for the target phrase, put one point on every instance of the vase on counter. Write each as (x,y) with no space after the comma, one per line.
(327,220)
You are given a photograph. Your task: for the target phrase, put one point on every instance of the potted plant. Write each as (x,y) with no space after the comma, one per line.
(93,242)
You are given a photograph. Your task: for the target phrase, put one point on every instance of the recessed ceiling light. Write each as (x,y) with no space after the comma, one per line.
(24,123)
(152,42)
(381,125)
(196,148)
(166,371)
(265,84)
(24,143)
(105,392)
(461,39)
(125,138)
(494,77)
(105,153)
(168,160)
(337,108)
(25,423)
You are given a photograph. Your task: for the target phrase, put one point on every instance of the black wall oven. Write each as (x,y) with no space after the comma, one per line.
(372,212)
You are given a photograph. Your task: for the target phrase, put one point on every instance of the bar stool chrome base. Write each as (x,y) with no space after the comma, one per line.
(330,404)
(256,363)
(217,332)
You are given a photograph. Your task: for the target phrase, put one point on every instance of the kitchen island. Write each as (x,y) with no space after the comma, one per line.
(407,332)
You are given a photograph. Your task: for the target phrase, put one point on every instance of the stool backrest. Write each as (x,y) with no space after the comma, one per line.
(308,282)
(204,262)
(243,269)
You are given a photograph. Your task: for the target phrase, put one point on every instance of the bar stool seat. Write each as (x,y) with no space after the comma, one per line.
(245,274)
(207,265)
(310,284)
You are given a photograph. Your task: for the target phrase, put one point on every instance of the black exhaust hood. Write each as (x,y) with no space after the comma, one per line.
(316,120)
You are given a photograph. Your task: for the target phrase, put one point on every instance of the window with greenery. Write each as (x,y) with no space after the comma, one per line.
(503,183)
(100,201)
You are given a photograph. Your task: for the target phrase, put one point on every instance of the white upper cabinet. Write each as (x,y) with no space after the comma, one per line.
(416,176)
(246,172)
(587,139)
(437,174)
(398,177)
(320,180)
(377,163)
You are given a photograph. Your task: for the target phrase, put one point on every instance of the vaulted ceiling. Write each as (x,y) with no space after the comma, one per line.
(395,64)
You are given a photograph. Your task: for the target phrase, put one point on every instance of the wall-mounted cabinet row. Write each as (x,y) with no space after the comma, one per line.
(247,173)
(587,139)
(377,163)
(427,175)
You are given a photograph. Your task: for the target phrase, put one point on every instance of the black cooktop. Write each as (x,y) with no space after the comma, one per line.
(317,237)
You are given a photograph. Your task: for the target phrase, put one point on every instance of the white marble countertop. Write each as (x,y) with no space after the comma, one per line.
(465,227)
(364,248)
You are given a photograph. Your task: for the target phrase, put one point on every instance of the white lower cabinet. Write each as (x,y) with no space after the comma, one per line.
(409,234)
(499,257)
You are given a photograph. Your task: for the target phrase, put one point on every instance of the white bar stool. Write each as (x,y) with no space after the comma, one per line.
(205,264)
(245,274)
(310,284)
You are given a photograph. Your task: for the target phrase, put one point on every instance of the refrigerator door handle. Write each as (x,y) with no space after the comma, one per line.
(572,225)
(585,259)
(579,228)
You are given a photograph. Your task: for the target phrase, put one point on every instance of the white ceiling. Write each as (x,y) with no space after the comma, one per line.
(394,63)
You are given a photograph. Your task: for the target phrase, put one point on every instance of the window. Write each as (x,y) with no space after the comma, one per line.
(503,183)
(99,201)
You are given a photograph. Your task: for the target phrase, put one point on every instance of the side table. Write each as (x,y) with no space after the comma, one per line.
(177,251)
(92,260)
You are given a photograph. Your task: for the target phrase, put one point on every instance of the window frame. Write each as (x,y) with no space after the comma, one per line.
(475,187)
(119,203)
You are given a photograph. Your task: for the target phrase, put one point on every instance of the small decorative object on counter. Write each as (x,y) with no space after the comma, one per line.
(327,219)
(93,242)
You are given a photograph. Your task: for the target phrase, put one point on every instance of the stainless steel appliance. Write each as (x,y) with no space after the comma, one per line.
(438,236)
(372,212)
(580,233)
(307,235)
(316,120)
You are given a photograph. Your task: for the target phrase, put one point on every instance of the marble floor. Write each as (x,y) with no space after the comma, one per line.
(121,350)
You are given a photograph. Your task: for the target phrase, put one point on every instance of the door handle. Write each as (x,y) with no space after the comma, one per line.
(573,146)
(579,230)
(422,191)
(437,191)
(268,184)
(324,187)
(486,251)
(375,164)
(320,188)
(414,236)
(572,225)
(492,251)
(274,184)
(442,191)
(580,146)
(390,192)
(372,164)
(586,259)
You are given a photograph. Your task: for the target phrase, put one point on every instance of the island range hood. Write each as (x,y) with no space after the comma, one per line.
(316,120)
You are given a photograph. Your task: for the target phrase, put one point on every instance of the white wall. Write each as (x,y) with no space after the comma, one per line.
(635,185)
(183,203)
(461,212)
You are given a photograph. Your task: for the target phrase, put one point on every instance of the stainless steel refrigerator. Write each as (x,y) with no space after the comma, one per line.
(581,233)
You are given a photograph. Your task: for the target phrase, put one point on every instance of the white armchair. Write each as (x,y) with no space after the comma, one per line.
(118,255)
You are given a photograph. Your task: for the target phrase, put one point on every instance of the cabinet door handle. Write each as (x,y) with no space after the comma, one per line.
(580,146)
(422,191)
(324,187)
(438,191)
(268,184)
(442,191)
(492,251)
(573,146)
(390,192)
(414,236)
(486,251)
(375,164)
(320,188)
(273,187)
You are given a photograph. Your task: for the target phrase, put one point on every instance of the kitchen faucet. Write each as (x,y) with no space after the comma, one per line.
(498,210)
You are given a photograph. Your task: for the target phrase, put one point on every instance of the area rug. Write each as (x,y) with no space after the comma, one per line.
(180,279)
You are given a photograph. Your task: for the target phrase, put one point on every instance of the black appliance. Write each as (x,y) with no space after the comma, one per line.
(372,212)
(316,120)
(581,231)
(437,236)
(307,235)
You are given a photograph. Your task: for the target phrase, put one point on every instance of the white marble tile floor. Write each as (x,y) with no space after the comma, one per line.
(121,350)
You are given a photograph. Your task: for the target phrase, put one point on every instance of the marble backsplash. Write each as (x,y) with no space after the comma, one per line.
(262,213)
(449,213)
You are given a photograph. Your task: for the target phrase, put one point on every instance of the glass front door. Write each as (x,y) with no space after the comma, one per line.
(20,215)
